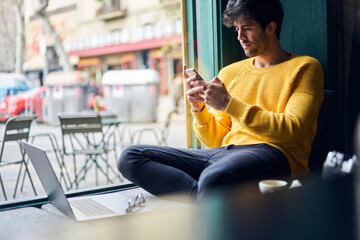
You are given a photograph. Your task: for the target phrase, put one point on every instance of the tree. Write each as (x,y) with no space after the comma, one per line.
(7,37)
(58,46)
(20,39)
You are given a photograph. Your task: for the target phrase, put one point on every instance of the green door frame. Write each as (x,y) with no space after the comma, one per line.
(206,45)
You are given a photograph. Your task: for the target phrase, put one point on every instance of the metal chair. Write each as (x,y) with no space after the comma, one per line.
(82,135)
(54,148)
(16,130)
(159,132)
(111,123)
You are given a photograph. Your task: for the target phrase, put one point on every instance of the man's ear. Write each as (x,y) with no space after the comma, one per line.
(270,28)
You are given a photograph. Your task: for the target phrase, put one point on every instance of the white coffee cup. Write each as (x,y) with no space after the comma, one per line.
(272,185)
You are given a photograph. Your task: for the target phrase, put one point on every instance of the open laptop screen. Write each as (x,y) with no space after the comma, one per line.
(48,178)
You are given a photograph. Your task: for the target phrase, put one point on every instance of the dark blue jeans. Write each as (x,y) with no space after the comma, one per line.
(163,170)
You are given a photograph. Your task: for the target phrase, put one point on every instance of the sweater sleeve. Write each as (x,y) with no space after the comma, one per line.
(211,127)
(287,128)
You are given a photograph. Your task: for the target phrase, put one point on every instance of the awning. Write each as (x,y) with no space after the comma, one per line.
(127,47)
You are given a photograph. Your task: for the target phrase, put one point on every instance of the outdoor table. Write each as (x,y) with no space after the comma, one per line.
(83,135)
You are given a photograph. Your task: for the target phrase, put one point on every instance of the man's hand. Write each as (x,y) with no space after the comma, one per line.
(215,94)
(194,87)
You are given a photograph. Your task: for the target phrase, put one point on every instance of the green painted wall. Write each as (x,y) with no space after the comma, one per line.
(304,30)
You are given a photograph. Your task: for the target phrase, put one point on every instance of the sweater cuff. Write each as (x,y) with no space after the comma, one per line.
(235,107)
(201,117)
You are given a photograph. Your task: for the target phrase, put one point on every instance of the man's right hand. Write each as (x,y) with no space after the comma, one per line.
(194,85)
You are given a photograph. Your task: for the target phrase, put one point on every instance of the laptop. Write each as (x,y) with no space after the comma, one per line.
(78,208)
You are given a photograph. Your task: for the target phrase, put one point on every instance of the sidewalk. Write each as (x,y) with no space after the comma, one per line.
(176,138)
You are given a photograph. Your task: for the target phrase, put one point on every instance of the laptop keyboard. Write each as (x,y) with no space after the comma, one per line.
(89,207)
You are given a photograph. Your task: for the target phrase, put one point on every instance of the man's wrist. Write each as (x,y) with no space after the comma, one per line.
(227,103)
(198,110)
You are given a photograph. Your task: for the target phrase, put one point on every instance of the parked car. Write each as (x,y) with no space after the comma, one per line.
(12,83)
(27,102)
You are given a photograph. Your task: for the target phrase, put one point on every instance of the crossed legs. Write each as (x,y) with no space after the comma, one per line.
(164,170)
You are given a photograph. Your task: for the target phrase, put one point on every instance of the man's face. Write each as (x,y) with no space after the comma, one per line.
(252,37)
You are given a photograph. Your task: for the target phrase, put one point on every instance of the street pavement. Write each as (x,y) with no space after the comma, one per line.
(176,138)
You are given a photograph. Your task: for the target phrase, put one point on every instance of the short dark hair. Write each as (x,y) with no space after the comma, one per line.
(262,11)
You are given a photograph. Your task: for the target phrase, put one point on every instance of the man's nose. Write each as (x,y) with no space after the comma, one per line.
(241,35)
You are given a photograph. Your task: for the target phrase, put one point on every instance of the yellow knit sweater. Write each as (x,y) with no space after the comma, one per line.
(277,105)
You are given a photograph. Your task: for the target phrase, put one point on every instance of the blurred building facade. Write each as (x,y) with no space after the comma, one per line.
(101,35)
(7,37)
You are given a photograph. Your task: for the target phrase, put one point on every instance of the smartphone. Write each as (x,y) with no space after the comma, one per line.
(192,72)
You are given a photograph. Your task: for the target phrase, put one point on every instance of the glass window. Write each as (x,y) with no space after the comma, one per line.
(19,82)
(107,45)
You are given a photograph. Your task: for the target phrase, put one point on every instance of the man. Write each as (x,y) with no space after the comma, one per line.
(262,119)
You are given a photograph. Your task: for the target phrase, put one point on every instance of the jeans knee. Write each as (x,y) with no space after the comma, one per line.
(125,162)
(210,180)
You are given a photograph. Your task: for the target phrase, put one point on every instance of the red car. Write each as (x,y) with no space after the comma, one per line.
(30,101)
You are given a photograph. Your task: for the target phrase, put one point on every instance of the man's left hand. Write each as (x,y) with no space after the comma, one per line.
(215,94)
